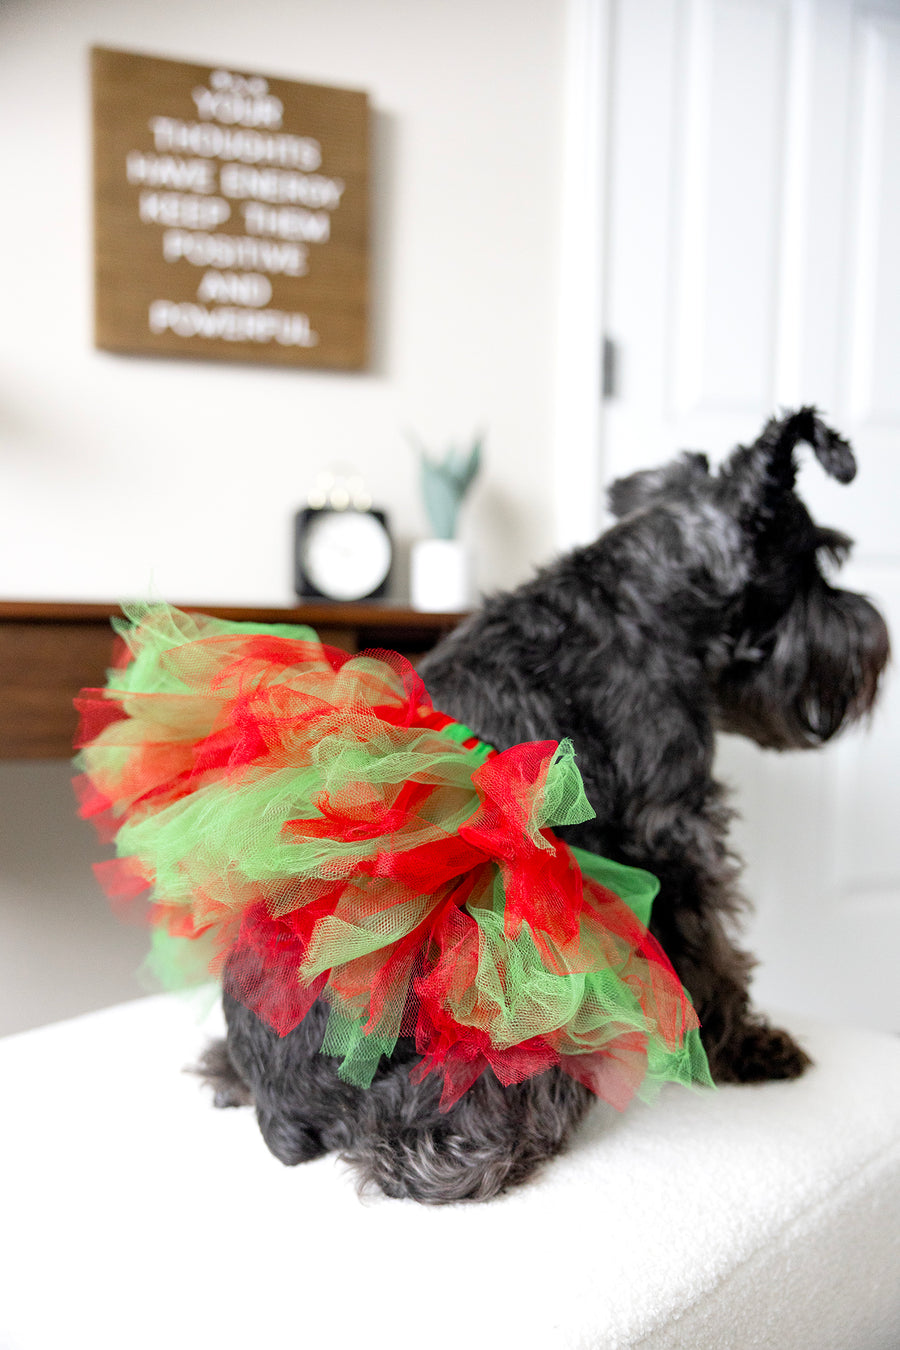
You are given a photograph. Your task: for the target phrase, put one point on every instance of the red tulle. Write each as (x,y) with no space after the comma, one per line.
(271,940)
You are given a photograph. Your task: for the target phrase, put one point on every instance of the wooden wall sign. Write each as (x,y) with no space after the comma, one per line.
(231,214)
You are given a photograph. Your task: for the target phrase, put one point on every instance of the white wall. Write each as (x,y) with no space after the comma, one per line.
(120,474)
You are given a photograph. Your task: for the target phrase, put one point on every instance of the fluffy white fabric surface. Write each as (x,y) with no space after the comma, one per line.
(133,1215)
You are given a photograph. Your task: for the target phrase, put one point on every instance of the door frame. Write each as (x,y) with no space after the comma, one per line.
(578,413)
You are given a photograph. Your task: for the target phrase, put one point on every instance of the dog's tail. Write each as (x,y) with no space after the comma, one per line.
(492,1139)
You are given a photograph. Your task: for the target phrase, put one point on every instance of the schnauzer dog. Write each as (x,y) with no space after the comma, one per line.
(703,607)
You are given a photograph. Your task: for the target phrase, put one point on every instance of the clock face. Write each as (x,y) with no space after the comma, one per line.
(346,555)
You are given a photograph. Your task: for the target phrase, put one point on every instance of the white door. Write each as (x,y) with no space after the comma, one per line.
(752,261)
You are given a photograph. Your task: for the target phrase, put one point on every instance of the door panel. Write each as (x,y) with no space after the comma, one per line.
(874,330)
(730,112)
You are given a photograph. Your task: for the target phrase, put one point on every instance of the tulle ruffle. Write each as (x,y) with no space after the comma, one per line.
(309,826)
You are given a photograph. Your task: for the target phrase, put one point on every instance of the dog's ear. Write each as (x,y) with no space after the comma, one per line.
(757,476)
(647,485)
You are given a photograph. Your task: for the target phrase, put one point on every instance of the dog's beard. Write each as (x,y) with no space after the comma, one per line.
(814,673)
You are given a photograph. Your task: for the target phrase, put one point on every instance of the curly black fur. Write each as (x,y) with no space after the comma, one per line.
(703,607)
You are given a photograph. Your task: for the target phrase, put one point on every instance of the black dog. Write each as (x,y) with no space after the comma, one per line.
(703,607)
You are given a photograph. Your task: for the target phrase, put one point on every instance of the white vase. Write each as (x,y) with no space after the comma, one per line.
(440,578)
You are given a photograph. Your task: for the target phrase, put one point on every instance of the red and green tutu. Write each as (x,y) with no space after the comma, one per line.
(308,826)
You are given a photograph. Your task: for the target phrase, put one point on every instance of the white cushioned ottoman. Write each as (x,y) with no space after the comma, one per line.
(134,1215)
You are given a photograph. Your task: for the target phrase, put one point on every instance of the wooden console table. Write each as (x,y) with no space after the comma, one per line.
(49,651)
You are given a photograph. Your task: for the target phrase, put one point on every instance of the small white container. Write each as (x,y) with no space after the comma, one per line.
(440,575)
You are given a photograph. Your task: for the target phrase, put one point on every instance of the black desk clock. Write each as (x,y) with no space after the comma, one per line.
(342,554)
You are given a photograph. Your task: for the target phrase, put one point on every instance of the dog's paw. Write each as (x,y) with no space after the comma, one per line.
(761,1054)
(217,1070)
(292,1141)
(235,1094)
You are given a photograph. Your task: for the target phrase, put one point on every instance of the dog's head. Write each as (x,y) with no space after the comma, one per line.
(796,658)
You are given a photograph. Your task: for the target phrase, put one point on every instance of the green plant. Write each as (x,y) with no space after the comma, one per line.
(445,483)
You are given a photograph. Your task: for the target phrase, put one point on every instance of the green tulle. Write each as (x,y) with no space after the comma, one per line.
(243,777)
